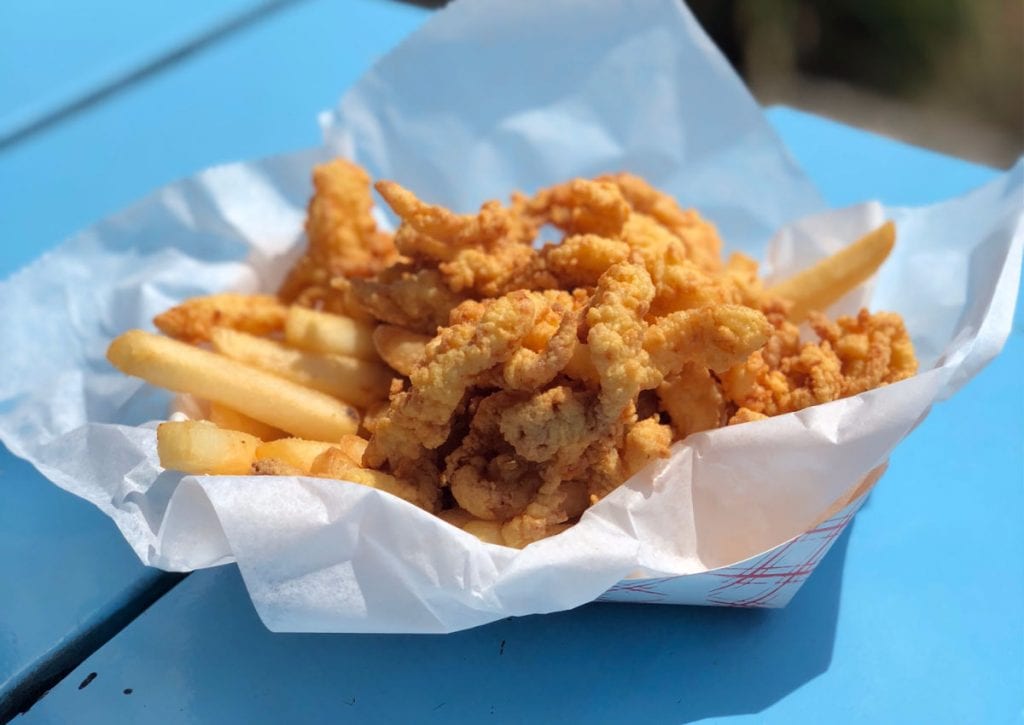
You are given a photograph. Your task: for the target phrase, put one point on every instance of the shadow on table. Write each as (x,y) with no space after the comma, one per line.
(662,663)
(599,663)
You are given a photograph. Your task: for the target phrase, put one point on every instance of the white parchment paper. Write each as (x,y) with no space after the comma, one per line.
(489,96)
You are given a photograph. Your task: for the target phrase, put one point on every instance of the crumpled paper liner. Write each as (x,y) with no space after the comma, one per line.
(489,96)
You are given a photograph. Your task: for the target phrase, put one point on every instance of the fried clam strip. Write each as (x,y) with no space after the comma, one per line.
(644,441)
(580,206)
(482,336)
(694,400)
(627,356)
(485,475)
(398,347)
(587,462)
(854,354)
(195,319)
(680,283)
(580,260)
(717,337)
(343,236)
(476,255)
(615,337)
(699,237)
(416,299)
(547,348)
(553,429)
(616,334)
(501,485)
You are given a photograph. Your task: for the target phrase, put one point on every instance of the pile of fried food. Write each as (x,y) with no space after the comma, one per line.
(504,384)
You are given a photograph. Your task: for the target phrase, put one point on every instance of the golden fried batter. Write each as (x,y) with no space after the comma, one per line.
(407,296)
(343,236)
(539,379)
(854,354)
(700,239)
(485,477)
(580,260)
(693,399)
(194,319)
(717,337)
(420,418)
(580,206)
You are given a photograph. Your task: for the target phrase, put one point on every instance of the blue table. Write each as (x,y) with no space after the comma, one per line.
(904,621)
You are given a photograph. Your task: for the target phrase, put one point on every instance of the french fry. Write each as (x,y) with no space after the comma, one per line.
(356,381)
(818,287)
(353,446)
(194,318)
(268,398)
(333,463)
(200,447)
(398,347)
(274,467)
(326,333)
(298,453)
(231,419)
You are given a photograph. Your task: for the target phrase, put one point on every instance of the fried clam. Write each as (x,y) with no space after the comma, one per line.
(531,381)
(407,296)
(694,400)
(852,355)
(484,473)
(482,336)
(195,319)
(343,238)
(579,206)
(615,337)
(699,237)
(476,255)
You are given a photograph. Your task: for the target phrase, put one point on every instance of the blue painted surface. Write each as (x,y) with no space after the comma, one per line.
(851,165)
(915,616)
(68,574)
(253,96)
(65,569)
(53,52)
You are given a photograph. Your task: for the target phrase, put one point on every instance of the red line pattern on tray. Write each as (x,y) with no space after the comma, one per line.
(764,579)
(643,587)
(762,582)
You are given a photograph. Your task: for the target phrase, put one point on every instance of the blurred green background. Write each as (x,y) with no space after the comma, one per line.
(945,74)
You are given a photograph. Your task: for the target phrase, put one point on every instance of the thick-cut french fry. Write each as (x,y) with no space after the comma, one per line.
(818,287)
(355,381)
(275,467)
(399,348)
(354,447)
(268,398)
(199,446)
(296,452)
(231,419)
(333,463)
(194,318)
(323,332)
